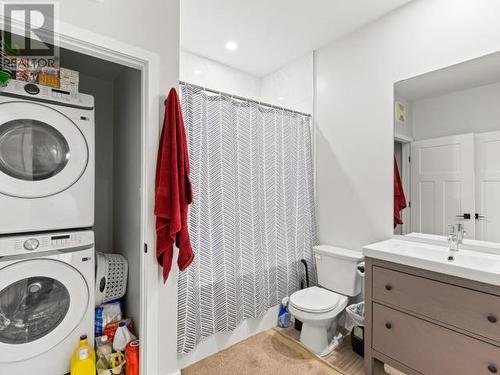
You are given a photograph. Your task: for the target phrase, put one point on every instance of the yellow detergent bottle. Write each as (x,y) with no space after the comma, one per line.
(83,359)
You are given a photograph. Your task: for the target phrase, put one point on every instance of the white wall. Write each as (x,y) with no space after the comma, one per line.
(475,110)
(291,86)
(355,78)
(149,24)
(213,75)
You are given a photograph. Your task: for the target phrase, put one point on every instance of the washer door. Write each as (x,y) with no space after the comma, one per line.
(41,302)
(42,152)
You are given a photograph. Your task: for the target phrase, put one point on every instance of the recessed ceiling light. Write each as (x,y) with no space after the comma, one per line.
(197,71)
(231,45)
(281,98)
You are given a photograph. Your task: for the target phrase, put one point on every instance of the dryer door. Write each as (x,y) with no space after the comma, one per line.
(42,151)
(41,302)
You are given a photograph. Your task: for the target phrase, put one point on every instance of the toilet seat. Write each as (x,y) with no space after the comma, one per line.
(316,300)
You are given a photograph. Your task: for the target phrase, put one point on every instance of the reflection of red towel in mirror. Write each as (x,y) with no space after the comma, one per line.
(173,190)
(399,196)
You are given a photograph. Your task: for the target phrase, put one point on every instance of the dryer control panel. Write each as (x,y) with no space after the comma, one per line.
(45,94)
(31,243)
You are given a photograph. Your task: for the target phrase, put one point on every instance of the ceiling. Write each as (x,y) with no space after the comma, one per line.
(467,75)
(271,33)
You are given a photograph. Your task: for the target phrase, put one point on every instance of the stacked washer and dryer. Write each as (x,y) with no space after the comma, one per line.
(46,211)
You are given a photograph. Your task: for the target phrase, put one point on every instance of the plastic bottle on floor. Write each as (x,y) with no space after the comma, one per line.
(122,337)
(83,359)
(132,358)
(284,316)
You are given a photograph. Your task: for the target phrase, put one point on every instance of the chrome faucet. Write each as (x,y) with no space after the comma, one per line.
(456,236)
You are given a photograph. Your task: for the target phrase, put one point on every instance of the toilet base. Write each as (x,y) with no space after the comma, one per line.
(316,337)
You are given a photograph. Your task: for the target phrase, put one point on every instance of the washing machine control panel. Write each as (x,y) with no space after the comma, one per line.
(15,245)
(31,244)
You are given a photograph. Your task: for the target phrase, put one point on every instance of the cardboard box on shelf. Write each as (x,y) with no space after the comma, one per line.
(69,80)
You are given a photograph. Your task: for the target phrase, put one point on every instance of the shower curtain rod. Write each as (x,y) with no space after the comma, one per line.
(183,83)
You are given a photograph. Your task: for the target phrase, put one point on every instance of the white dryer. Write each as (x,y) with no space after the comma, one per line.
(46,159)
(46,300)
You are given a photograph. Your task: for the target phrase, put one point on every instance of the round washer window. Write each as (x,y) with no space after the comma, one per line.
(32,150)
(31,308)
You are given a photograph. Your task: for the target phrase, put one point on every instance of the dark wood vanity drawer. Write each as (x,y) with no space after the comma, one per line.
(467,309)
(429,348)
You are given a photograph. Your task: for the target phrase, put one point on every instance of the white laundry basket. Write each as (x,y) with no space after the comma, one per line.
(110,277)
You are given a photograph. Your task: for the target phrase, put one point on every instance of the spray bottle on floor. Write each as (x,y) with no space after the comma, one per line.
(284,316)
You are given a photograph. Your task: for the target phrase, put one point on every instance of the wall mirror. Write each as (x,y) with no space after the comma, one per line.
(447,150)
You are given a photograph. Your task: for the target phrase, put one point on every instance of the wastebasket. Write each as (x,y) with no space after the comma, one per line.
(355,321)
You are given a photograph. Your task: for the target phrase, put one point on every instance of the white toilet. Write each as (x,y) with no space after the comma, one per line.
(318,308)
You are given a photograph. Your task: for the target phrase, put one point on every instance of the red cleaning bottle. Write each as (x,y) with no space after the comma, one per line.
(132,357)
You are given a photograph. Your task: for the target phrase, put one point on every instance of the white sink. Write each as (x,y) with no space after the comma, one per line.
(468,264)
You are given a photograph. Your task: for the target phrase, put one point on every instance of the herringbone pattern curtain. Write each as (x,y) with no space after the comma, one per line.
(252,219)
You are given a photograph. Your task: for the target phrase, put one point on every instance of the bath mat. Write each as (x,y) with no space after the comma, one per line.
(269,352)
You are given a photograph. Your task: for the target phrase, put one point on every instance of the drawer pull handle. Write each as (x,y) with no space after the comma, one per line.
(388,287)
(492,369)
(492,318)
(388,325)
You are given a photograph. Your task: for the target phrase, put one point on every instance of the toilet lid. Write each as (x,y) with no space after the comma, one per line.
(315,299)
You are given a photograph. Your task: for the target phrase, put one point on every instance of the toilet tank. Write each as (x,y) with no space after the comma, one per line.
(337,269)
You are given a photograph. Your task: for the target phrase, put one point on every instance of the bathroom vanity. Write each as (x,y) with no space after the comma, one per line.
(429,314)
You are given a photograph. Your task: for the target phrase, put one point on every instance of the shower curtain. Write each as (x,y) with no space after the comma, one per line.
(252,219)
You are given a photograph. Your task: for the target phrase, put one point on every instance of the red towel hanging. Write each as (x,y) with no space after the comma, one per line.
(399,196)
(173,190)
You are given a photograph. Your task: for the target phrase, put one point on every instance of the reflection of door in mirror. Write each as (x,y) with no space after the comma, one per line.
(487,214)
(442,184)
(453,123)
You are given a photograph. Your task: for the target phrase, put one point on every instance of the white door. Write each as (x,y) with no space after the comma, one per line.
(41,302)
(442,184)
(42,152)
(488,186)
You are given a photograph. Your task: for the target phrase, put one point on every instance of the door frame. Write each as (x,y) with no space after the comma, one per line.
(148,63)
(405,178)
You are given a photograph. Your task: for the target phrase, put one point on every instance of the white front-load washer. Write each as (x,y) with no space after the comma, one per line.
(46,159)
(46,300)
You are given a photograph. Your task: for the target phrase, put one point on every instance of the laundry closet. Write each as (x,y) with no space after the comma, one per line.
(117,94)
(114,147)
